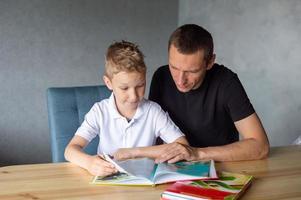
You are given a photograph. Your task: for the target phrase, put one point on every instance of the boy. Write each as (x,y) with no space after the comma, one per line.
(127,124)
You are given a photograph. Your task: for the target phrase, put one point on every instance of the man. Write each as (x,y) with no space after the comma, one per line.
(207,102)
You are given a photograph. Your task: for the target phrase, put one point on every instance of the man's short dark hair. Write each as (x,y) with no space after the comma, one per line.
(190,38)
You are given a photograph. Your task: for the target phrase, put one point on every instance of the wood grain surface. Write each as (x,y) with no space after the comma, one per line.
(278,177)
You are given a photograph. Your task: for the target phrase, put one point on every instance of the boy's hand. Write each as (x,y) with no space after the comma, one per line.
(175,152)
(100,167)
(125,153)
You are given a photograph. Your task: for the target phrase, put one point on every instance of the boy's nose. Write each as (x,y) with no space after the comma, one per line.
(133,96)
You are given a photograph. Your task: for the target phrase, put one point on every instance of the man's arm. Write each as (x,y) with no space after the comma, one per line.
(254,145)
(152,152)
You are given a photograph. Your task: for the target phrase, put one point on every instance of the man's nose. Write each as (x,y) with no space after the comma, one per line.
(181,78)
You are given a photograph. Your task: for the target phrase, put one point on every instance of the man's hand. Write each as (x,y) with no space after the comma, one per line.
(175,152)
(97,166)
(125,153)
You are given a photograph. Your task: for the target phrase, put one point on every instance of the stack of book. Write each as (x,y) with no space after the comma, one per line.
(228,186)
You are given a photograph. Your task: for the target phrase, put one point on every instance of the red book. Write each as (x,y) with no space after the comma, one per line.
(229,186)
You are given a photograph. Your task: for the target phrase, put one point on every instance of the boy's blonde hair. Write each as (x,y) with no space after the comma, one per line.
(124,56)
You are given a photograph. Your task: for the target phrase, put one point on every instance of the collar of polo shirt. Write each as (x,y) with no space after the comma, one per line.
(116,114)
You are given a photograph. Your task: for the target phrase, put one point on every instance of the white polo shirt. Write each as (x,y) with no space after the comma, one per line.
(148,123)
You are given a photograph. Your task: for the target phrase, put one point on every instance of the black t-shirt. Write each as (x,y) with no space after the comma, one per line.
(207,114)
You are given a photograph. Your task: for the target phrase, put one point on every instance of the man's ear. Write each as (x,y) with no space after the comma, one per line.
(211,62)
(108,82)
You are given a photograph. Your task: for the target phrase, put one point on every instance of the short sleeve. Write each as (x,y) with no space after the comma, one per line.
(90,127)
(165,127)
(237,101)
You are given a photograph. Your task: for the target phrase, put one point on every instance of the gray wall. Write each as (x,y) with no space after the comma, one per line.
(62,43)
(259,40)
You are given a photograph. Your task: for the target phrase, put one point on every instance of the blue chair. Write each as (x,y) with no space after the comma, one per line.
(67,107)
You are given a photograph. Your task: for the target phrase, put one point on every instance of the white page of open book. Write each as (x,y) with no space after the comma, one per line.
(142,168)
(138,167)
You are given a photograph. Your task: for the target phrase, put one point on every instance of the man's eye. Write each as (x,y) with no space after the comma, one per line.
(174,68)
(194,72)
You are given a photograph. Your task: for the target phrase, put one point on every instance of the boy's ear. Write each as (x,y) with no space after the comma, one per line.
(108,82)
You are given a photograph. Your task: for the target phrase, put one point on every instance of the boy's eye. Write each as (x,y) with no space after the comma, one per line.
(124,88)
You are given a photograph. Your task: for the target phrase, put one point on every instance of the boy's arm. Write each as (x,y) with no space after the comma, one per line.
(152,152)
(96,165)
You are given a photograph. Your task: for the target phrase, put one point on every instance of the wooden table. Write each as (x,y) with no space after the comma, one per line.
(278,177)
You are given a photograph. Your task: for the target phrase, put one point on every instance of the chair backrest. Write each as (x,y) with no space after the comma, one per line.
(67,107)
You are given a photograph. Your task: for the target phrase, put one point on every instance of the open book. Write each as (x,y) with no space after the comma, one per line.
(229,186)
(146,172)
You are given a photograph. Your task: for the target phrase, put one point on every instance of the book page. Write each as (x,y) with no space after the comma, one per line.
(131,172)
(144,171)
(143,167)
(182,171)
(121,178)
